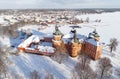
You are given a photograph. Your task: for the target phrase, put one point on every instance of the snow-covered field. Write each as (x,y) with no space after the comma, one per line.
(24,64)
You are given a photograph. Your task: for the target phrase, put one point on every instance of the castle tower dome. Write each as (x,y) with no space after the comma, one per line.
(96,35)
(57,34)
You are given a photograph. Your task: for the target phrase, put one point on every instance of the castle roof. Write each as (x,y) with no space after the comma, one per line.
(46,49)
(91,38)
(33,38)
(69,37)
(92,41)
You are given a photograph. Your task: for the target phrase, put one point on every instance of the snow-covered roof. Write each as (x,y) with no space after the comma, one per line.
(46,49)
(30,48)
(33,38)
(46,44)
(68,37)
(48,35)
(66,40)
(93,41)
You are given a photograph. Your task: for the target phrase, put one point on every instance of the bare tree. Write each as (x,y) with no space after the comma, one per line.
(87,20)
(8,31)
(14,34)
(86,73)
(104,68)
(84,60)
(60,55)
(74,74)
(3,68)
(49,75)
(15,75)
(76,21)
(113,44)
(83,70)
(81,20)
(35,75)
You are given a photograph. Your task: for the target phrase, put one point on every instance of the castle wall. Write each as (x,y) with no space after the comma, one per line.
(93,51)
(98,52)
(48,39)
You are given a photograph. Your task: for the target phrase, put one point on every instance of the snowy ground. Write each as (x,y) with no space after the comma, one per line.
(108,28)
(24,64)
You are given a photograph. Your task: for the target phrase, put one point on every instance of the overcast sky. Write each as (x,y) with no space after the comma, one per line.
(24,4)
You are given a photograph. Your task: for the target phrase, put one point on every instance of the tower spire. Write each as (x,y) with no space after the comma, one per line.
(75,37)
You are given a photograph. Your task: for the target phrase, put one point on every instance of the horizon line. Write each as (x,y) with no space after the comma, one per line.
(51,8)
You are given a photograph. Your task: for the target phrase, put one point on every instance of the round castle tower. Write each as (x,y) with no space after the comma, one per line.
(57,36)
(75,46)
